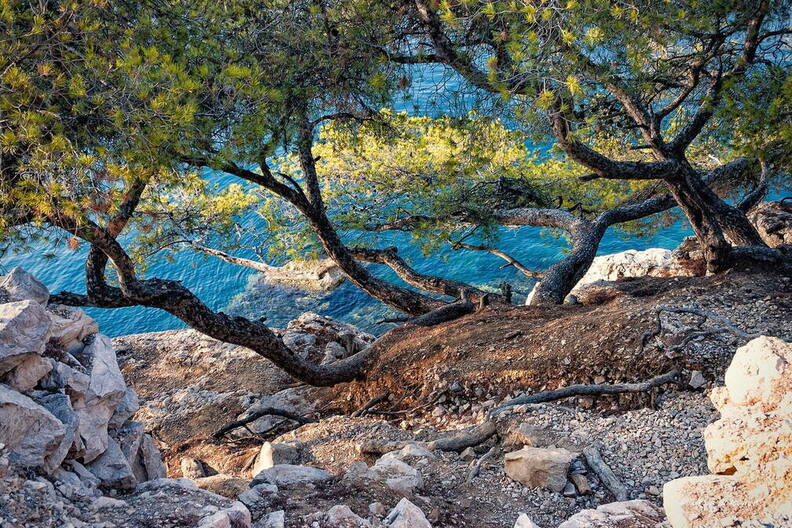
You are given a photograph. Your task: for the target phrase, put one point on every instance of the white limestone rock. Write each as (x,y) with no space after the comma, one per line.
(289,474)
(539,467)
(20,285)
(97,400)
(749,445)
(24,331)
(151,459)
(406,515)
(70,326)
(397,475)
(129,405)
(31,434)
(60,407)
(341,516)
(112,468)
(523,521)
(26,375)
(276,519)
(273,454)
(634,513)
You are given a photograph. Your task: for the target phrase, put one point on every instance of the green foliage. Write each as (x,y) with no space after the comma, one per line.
(533,52)
(396,166)
(98,95)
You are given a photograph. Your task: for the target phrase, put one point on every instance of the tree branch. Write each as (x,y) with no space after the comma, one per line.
(498,253)
(588,390)
(391,258)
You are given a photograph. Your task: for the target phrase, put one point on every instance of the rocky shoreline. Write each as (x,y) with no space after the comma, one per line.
(81,448)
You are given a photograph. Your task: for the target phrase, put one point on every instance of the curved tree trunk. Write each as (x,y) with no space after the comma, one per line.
(715,222)
(562,276)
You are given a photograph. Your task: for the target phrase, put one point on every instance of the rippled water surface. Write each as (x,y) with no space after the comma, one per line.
(240,290)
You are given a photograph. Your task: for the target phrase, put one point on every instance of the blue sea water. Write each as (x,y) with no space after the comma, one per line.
(241,291)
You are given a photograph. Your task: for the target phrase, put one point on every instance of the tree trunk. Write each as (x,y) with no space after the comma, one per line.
(715,222)
(562,276)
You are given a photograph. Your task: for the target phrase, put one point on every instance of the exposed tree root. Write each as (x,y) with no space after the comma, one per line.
(444,314)
(456,442)
(475,469)
(369,404)
(695,332)
(266,411)
(589,390)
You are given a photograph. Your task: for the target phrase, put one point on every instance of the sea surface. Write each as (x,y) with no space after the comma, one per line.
(242,291)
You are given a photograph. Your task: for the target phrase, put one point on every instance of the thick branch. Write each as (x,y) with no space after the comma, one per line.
(177,300)
(603,166)
(267,411)
(391,258)
(454,442)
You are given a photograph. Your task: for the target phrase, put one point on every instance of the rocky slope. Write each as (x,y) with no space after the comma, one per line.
(70,456)
(430,453)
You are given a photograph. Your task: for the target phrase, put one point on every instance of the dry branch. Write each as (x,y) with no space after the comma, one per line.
(605,473)
(475,469)
(589,390)
(371,403)
(726,326)
(456,442)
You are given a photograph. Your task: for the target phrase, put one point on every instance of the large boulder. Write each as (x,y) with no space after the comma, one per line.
(20,285)
(95,394)
(60,406)
(150,459)
(31,434)
(70,326)
(24,331)
(112,468)
(327,329)
(750,446)
(176,502)
(273,454)
(288,474)
(26,375)
(632,514)
(538,467)
(773,221)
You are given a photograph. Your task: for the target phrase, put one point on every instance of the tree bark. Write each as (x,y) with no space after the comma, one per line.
(562,276)
(717,224)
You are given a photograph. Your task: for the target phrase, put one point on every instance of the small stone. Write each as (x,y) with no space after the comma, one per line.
(467,454)
(697,379)
(569,490)
(406,515)
(581,483)
(523,521)
(377,509)
(286,474)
